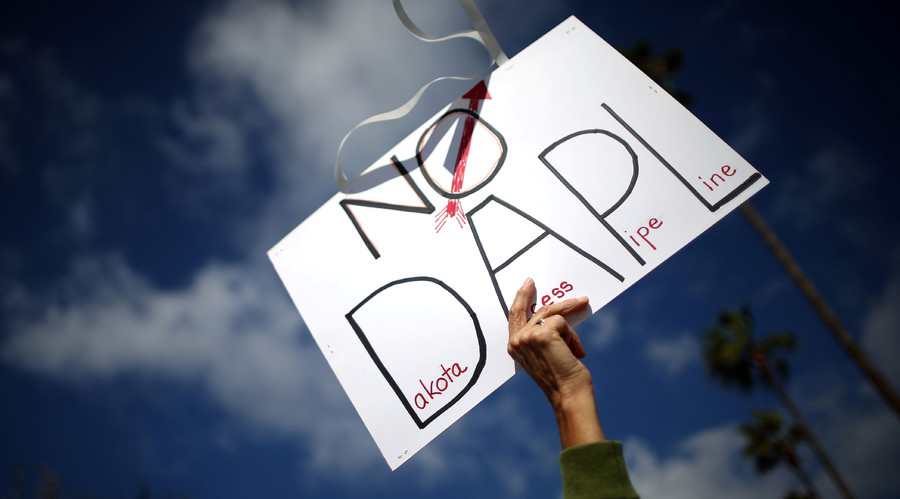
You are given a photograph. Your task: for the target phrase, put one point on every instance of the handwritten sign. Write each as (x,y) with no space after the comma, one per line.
(567,165)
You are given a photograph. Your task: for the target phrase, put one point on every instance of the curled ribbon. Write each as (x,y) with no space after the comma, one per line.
(482,33)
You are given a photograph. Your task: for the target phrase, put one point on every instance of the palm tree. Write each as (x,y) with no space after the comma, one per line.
(829,317)
(48,486)
(660,68)
(768,444)
(798,494)
(734,357)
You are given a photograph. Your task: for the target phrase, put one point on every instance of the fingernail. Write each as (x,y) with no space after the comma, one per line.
(527,281)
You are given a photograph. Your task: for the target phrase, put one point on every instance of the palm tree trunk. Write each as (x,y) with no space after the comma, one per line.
(869,369)
(803,476)
(799,420)
(807,483)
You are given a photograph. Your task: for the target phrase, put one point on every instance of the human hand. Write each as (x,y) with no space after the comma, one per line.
(547,347)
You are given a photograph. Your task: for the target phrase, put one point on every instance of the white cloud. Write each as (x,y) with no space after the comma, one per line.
(857,430)
(881,330)
(38,95)
(309,72)
(604,325)
(213,137)
(863,444)
(674,354)
(705,465)
(862,439)
(750,137)
(232,330)
(865,447)
(320,69)
(523,447)
(315,71)
(832,175)
(755,123)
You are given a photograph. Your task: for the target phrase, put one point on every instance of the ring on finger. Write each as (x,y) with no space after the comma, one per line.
(540,322)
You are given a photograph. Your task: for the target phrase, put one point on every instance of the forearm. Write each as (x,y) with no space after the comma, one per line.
(576,415)
(591,465)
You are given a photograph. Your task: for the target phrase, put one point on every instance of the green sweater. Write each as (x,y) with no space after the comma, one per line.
(595,470)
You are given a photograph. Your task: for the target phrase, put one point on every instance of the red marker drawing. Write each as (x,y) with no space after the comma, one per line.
(454,210)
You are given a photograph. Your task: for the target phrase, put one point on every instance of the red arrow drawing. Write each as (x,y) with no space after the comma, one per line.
(453,210)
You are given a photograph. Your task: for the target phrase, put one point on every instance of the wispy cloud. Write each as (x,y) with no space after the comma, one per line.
(674,354)
(864,446)
(231,330)
(704,465)
(857,430)
(602,329)
(862,440)
(304,74)
(881,330)
(290,80)
(833,175)
(39,97)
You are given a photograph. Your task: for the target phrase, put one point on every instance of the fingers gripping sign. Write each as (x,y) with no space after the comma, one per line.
(546,346)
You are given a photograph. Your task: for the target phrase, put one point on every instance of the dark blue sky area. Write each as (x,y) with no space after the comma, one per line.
(150,153)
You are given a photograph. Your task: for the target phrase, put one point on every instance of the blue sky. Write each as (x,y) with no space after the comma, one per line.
(150,153)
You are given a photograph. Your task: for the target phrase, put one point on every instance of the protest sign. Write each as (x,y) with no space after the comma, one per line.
(566,164)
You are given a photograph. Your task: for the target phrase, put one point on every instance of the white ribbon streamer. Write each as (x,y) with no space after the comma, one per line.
(482,33)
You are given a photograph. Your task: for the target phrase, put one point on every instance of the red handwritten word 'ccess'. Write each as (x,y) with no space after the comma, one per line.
(438,386)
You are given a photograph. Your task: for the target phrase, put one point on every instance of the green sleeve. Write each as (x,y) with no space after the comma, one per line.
(595,470)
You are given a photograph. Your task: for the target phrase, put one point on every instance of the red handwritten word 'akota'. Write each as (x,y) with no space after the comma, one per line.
(438,386)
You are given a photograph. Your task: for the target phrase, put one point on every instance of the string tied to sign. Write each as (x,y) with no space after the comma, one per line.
(481,33)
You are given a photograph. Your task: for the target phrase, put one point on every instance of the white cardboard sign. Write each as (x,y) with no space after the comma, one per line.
(568,165)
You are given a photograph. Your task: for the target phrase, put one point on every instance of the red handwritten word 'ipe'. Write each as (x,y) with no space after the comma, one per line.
(438,386)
